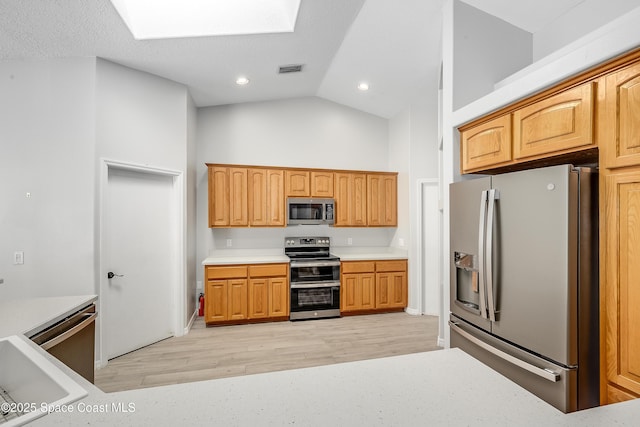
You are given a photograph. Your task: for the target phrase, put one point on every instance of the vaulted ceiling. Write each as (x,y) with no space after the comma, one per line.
(393,45)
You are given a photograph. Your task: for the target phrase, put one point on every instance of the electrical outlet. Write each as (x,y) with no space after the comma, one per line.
(229,243)
(401,242)
(18,258)
(349,241)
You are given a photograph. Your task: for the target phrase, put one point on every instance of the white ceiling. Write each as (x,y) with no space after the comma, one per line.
(394,45)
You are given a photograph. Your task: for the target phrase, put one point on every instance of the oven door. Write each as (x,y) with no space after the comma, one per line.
(314,271)
(315,300)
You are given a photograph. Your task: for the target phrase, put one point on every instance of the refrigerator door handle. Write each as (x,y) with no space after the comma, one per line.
(481,249)
(547,374)
(492,196)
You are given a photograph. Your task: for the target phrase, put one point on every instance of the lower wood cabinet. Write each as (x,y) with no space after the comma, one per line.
(370,286)
(245,293)
(620,287)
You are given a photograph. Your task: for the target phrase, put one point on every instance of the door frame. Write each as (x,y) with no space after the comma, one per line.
(178,279)
(421,185)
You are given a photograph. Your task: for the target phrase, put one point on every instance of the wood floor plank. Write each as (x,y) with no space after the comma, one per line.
(218,352)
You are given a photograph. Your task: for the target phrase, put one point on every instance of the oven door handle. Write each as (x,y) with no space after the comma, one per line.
(315,264)
(309,285)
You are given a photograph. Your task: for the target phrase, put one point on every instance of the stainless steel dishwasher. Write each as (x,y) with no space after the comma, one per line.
(72,341)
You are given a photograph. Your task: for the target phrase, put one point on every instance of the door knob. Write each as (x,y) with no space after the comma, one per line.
(111,275)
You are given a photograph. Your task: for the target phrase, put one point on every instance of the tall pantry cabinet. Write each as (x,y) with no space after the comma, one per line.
(619,140)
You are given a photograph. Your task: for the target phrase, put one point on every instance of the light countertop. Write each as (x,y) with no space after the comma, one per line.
(246,256)
(31,315)
(439,388)
(270,256)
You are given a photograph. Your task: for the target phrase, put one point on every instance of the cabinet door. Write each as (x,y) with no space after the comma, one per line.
(619,129)
(560,123)
(238,195)
(322,184)
(349,292)
(215,299)
(391,290)
(357,292)
(297,183)
(258,205)
(367,291)
(622,283)
(486,145)
(237,299)
(218,196)
(358,202)
(258,298)
(382,204)
(275,198)
(341,194)
(266,197)
(278,297)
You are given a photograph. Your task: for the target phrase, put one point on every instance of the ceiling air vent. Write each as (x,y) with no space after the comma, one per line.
(284,69)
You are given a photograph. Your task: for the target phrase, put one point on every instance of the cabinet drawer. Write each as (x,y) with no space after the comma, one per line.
(268,270)
(395,265)
(234,271)
(358,267)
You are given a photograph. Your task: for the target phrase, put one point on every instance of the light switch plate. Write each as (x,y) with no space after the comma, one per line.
(18,258)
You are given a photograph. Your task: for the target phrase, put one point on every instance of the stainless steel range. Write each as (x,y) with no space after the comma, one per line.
(314,277)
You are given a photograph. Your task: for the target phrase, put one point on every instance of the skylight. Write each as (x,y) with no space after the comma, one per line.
(160,19)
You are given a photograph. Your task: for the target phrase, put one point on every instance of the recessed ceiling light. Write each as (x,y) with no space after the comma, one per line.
(242,81)
(161,19)
(363,86)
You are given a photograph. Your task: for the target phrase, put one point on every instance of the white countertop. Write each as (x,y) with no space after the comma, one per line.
(246,256)
(270,256)
(31,315)
(439,388)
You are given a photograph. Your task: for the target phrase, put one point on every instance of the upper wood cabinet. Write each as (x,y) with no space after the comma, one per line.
(297,183)
(351,199)
(559,123)
(382,200)
(620,118)
(322,184)
(266,197)
(486,145)
(254,196)
(309,183)
(228,197)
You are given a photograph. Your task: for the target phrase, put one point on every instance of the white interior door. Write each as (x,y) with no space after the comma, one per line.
(140,248)
(431,249)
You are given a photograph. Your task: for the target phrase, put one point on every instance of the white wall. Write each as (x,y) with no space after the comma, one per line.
(302,132)
(148,120)
(581,20)
(190,212)
(47,149)
(413,152)
(487,49)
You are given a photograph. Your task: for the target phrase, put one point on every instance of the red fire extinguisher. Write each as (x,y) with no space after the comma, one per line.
(201,308)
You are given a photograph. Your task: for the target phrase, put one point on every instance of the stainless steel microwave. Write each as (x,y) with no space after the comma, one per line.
(303,211)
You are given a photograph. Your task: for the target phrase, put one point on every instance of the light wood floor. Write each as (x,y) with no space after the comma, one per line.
(218,352)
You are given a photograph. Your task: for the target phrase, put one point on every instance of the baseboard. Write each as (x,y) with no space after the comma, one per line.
(440,342)
(412,311)
(190,324)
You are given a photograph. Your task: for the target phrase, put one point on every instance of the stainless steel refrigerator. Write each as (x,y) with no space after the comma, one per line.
(524,279)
